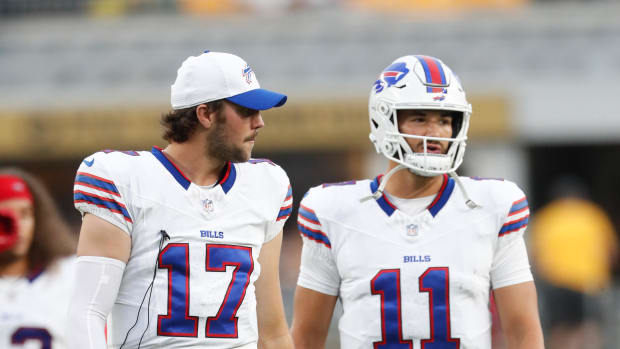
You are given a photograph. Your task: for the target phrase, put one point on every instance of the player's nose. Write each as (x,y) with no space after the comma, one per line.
(433,129)
(257,121)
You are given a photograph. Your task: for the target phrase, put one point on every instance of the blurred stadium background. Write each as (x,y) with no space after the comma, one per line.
(77,76)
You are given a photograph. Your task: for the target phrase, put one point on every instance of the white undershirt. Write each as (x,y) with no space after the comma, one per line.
(208,187)
(411,206)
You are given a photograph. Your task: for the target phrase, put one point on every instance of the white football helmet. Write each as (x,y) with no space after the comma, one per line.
(418,82)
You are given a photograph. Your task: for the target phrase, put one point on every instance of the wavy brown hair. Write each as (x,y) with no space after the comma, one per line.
(180,124)
(52,237)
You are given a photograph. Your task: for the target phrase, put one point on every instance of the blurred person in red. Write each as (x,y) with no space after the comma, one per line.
(8,229)
(574,246)
(36,272)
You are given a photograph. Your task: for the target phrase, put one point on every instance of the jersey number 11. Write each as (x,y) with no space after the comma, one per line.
(435,281)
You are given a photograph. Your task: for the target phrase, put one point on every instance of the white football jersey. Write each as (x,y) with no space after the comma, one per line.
(202,281)
(418,281)
(33,309)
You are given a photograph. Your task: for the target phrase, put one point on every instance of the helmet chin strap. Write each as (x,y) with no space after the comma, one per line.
(469,202)
(379,192)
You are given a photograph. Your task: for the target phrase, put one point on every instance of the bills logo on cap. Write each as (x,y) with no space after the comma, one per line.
(247,73)
(391,75)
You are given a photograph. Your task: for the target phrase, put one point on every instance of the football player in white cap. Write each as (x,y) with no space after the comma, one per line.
(414,254)
(181,245)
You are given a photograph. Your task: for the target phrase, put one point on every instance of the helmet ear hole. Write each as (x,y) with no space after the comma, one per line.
(384,109)
(457,123)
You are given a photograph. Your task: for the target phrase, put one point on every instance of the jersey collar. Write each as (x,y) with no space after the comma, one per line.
(440,200)
(226,181)
(230,175)
(442,197)
(382,201)
(34,274)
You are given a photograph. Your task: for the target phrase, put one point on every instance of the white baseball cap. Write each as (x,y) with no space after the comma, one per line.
(217,75)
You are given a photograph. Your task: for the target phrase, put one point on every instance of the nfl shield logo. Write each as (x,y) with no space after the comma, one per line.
(207,204)
(412,230)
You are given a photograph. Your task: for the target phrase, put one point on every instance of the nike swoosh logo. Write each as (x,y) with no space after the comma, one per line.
(89,163)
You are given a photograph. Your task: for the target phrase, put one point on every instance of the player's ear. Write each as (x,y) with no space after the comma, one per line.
(205,116)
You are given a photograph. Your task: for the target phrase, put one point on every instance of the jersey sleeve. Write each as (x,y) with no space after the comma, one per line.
(510,262)
(285,207)
(96,191)
(318,270)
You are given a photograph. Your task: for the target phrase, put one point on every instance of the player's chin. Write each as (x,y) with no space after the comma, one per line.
(248,147)
(8,257)
(242,154)
(21,248)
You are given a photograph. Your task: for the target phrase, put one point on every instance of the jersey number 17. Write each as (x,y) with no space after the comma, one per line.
(178,322)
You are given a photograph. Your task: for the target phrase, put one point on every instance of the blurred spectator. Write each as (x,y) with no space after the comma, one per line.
(36,276)
(435,5)
(202,7)
(574,247)
(12,8)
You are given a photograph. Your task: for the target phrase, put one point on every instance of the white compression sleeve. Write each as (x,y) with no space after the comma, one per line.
(97,282)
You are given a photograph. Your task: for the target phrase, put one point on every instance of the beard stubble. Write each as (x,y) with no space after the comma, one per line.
(219,145)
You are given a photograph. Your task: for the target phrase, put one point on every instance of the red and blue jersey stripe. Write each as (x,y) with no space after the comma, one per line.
(515,225)
(518,215)
(99,201)
(310,226)
(518,206)
(287,205)
(308,215)
(96,182)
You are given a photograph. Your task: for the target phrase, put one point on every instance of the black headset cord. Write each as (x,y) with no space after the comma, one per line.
(149,290)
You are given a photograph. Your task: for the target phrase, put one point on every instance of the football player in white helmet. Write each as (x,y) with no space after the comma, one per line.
(433,88)
(36,265)
(412,259)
